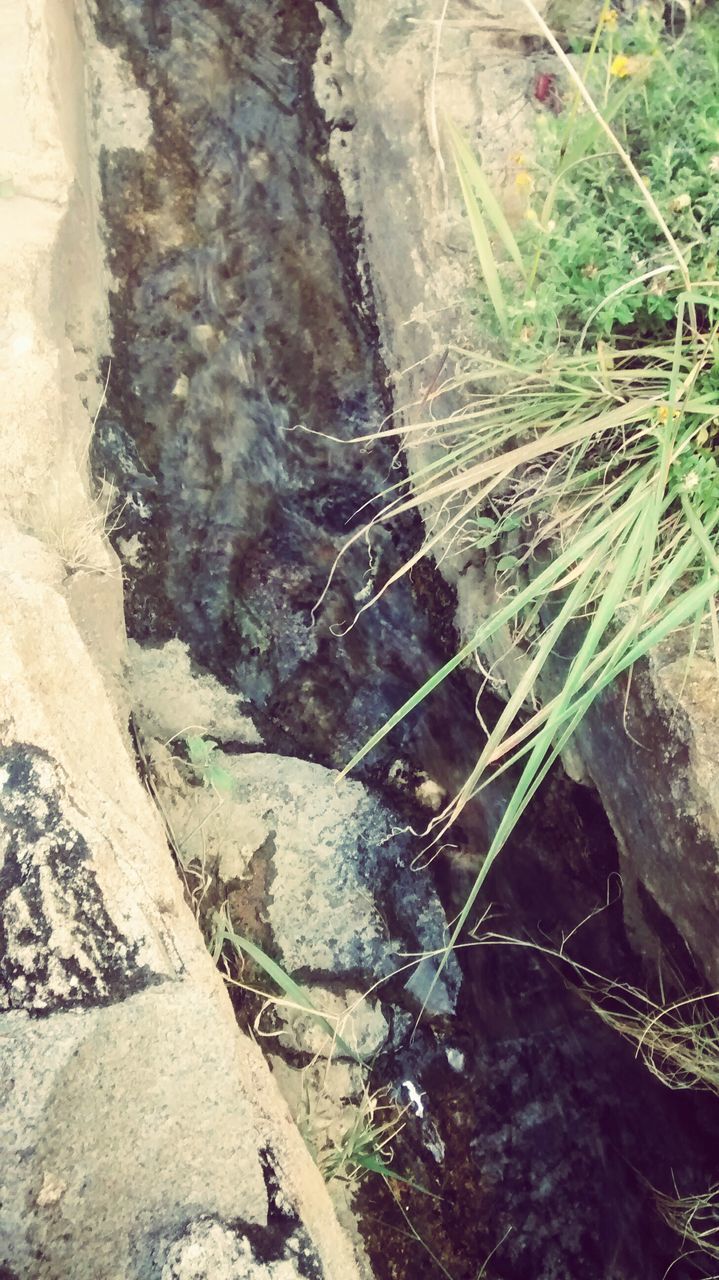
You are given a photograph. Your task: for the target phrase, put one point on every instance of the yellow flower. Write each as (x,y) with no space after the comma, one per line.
(523,180)
(620,66)
(638,65)
(609,18)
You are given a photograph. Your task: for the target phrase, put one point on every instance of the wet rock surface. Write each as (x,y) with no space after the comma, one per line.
(238,314)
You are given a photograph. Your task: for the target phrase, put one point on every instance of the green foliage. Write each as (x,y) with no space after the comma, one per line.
(365,1146)
(203,757)
(588,229)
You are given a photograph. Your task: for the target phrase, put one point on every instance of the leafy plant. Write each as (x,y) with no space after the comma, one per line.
(598,259)
(365,1146)
(203,757)
(581,460)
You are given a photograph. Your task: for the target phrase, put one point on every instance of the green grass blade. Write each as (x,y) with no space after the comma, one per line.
(537,765)
(543,583)
(465,157)
(375,1165)
(482,244)
(286,984)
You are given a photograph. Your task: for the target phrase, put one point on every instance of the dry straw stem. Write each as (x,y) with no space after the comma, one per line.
(695,1219)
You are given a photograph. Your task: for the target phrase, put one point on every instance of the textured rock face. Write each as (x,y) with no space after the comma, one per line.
(655,763)
(141,1135)
(342,898)
(62,948)
(385,79)
(323,870)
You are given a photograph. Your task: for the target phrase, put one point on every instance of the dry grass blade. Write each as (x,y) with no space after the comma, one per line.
(695,1219)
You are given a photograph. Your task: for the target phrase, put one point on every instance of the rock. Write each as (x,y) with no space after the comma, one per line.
(62,947)
(169,698)
(342,899)
(319,873)
(655,762)
(132,1106)
(211,1250)
(398,72)
(358,1020)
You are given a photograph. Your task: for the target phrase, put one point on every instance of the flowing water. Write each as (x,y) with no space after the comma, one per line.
(239,315)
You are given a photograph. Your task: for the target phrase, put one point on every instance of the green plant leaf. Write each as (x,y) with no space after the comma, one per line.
(200,749)
(283,981)
(466,159)
(375,1165)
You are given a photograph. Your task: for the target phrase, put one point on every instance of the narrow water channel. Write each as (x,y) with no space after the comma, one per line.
(238,315)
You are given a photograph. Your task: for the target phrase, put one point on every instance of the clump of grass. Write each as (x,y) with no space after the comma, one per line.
(365,1145)
(678,1040)
(79,529)
(581,461)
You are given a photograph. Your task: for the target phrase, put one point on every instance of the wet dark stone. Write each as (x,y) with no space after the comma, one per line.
(49,894)
(553,1140)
